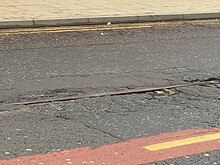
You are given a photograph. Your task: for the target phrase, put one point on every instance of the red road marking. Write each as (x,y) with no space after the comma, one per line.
(130,153)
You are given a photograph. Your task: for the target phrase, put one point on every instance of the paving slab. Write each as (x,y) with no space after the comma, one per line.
(49,13)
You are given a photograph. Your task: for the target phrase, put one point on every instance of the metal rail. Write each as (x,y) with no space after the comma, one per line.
(117,92)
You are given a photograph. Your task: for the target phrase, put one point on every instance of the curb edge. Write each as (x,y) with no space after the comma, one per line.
(103,20)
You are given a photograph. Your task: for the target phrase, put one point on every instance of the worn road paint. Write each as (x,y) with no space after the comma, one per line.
(182,142)
(74,29)
(131,152)
(103,28)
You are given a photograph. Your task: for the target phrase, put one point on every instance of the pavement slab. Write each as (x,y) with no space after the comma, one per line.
(48,12)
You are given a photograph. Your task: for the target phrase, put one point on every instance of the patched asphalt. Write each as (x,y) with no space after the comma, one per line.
(65,64)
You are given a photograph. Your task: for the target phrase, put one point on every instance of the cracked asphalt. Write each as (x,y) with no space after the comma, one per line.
(35,66)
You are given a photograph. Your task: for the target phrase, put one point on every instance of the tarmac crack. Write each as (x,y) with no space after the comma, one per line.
(90,127)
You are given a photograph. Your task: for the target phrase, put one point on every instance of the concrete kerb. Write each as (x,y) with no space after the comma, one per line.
(16,24)
(158,18)
(104,20)
(61,22)
(201,16)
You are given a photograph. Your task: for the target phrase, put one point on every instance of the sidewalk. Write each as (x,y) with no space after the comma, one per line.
(29,10)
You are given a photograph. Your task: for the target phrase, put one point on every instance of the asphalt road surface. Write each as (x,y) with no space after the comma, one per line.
(60,64)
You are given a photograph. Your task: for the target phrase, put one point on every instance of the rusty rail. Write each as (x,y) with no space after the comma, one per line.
(116,92)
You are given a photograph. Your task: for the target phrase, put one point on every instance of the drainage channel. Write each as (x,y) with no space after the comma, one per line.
(207,82)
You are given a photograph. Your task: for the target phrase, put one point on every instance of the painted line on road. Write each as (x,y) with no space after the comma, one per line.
(76,29)
(103,28)
(131,152)
(182,142)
